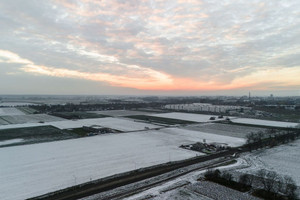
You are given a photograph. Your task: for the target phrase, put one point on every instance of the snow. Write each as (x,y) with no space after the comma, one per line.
(183,136)
(119,113)
(13,141)
(10,126)
(218,192)
(264,122)
(32,170)
(188,116)
(34,118)
(224,129)
(10,111)
(109,122)
(16,104)
(283,159)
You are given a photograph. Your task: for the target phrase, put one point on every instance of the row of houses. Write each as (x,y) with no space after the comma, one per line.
(207,107)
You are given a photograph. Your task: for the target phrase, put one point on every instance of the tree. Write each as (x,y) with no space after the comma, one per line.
(289,187)
(268,180)
(246,179)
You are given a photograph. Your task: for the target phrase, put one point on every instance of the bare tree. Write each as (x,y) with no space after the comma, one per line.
(289,187)
(269,180)
(246,179)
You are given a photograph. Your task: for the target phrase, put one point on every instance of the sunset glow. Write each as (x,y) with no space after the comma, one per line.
(145,47)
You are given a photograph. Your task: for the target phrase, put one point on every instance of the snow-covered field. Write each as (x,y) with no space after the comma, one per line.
(120,113)
(224,129)
(109,122)
(3,122)
(182,136)
(187,116)
(11,104)
(283,159)
(21,119)
(10,111)
(32,170)
(264,122)
(13,141)
(10,126)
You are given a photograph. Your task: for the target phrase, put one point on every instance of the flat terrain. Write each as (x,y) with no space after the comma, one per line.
(188,116)
(16,104)
(10,111)
(109,122)
(35,118)
(30,135)
(121,113)
(224,129)
(260,122)
(32,170)
(160,120)
(78,115)
(283,159)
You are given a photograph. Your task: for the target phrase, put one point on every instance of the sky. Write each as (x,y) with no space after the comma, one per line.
(149,47)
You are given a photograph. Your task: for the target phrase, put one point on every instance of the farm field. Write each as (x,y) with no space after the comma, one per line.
(22,119)
(78,115)
(32,135)
(260,122)
(70,162)
(3,122)
(121,113)
(32,170)
(188,116)
(10,111)
(218,192)
(27,110)
(12,104)
(283,159)
(224,129)
(183,136)
(159,120)
(10,142)
(109,122)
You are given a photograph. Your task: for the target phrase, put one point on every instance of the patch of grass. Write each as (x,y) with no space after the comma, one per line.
(160,120)
(78,115)
(80,132)
(27,110)
(38,134)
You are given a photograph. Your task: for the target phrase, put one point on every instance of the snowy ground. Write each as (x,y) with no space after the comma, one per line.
(3,122)
(10,111)
(32,170)
(189,184)
(283,159)
(34,118)
(188,116)
(264,122)
(224,129)
(109,122)
(13,141)
(120,113)
(11,104)
(182,136)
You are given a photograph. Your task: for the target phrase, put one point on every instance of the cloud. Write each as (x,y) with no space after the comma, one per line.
(162,45)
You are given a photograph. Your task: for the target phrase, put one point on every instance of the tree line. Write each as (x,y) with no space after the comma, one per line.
(268,185)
